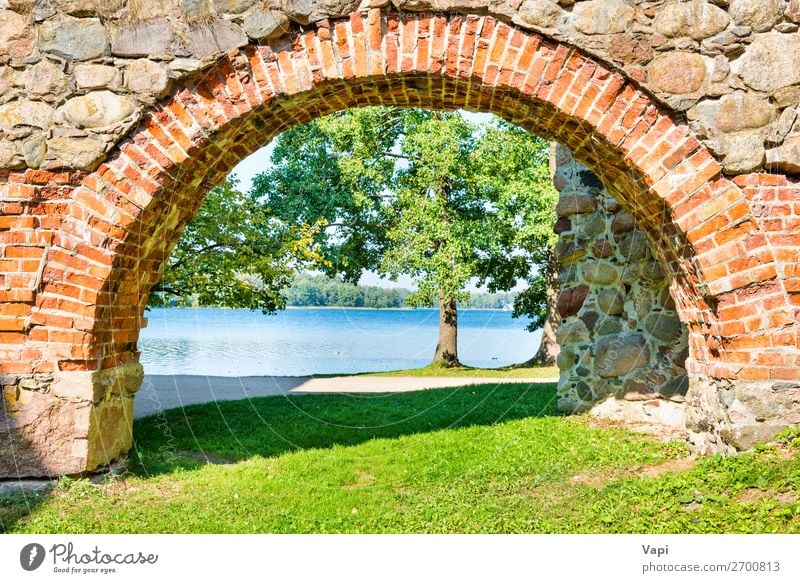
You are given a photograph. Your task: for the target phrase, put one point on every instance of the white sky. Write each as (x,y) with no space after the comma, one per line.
(259,162)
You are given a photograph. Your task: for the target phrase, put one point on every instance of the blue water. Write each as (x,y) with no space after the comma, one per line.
(300,342)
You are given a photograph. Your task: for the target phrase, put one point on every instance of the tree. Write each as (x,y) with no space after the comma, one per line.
(415,192)
(518,182)
(235,254)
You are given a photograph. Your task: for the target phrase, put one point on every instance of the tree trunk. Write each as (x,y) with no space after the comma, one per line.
(549,348)
(447,348)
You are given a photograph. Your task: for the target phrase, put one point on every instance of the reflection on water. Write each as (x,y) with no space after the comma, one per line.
(309,341)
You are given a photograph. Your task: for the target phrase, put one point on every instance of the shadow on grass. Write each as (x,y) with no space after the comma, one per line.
(19,503)
(231,431)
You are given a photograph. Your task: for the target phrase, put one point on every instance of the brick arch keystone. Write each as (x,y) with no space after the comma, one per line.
(82,250)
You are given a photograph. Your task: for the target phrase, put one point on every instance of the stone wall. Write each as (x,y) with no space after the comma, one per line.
(77,75)
(623,348)
(54,425)
(122,170)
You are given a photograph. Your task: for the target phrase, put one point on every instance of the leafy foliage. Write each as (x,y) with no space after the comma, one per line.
(235,254)
(420,193)
(397,191)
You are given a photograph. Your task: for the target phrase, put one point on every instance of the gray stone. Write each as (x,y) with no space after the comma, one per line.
(573,203)
(677,73)
(653,271)
(265,24)
(760,15)
(603,16)
(572,332)
(299,10)
(634,246)
(620,354)
(740,111)
(8,77)
(541,13)
(566,358)
(34,150)
(78,39)
(94,76)
(25,113)
(783,126)
(664,325)
(16,36)
(7,153)
(144,10)
(45,78)
(611,301)
(568,252)
(97,109)
(142,39)
(218,36)
(743,151)
(589,225)
(697,19)
(677,386)
(146,76)
(643,304)
(608,325)
(81,153)
(599,273)
(233,6)
(583,391)
(306,11)
(786,157)
(88,7)
(770,62)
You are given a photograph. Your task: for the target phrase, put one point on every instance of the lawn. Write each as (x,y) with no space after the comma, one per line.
(432,370)
(471,459)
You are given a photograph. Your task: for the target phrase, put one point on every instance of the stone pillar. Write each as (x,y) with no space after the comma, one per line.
(68,422)
(623,348)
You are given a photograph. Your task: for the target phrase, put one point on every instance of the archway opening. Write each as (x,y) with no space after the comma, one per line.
(119,223)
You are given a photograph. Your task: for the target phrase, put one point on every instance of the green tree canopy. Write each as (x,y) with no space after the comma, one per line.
(420,193)
(235,253)
(397,191)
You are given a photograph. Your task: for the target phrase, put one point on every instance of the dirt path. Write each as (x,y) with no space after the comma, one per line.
(167,392)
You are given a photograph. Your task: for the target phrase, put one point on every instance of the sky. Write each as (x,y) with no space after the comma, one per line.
(259,162)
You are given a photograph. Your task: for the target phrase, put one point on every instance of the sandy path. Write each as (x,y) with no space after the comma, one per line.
(166,392)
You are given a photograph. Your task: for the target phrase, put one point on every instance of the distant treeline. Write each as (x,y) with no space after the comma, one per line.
(321,291)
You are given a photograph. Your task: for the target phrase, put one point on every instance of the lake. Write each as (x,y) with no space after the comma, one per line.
(305,341)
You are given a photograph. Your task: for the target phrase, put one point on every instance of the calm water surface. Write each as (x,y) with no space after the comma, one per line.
(304,341)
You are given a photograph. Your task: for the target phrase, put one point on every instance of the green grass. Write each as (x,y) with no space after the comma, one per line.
(470,459)
(513,372)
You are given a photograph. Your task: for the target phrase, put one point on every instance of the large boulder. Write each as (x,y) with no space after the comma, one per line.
(619,354)
(770,62)
(97,109)
(697,19)
(77,39)
(16,36)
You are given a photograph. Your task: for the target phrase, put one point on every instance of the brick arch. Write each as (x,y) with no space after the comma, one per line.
(114,227)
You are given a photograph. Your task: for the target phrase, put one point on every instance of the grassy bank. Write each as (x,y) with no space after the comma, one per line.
(512,372)
(470,459)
